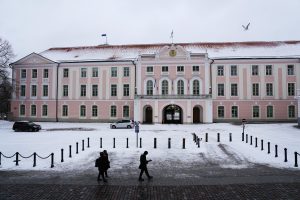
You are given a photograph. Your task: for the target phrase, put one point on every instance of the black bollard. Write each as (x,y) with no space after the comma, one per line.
(17,158)
(243,136)
(251,140)
(82,145)
(218,137)
(62,155)
(268,147)
(255,142)
(127,143)
(296,159)
(206,137)
(230,137)
(114,143)
(285,155)
(76,147)
(246,138)
(154,143)
(262,145)
(70,151)
(100,143)
(169,143)
(183,143)
(276,150)
(140,142)
(0,158)
(198,142)
(34,159)
(52,160)
(88,142)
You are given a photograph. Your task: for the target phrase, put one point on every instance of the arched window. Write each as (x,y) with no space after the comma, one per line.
(196,87)
(164,87)
(149,87)
(180,87)
(94,111)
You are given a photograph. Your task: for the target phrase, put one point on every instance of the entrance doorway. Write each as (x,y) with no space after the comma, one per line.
(148,115)
(197,115)
(172,114)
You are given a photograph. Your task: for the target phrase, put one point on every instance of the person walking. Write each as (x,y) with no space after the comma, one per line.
(143,166)
(100,163)
(107,163)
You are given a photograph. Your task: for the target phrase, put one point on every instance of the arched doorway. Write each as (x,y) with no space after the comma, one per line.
(172,114)
(197,115)
(148,115)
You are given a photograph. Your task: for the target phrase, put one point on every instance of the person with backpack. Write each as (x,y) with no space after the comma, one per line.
(101,164)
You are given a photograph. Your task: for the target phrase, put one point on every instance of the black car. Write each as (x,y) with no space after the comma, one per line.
(26,126)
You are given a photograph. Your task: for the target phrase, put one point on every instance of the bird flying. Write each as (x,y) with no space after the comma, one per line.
(246,27)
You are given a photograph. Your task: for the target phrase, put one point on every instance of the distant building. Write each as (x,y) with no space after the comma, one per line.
(160,83)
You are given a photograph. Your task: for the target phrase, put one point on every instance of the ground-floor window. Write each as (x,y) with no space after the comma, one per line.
(65,111)
(82,111)
(44,110)
(220,111)
(269,111)
(125,111)
(234,111)
(292,111)
(255,112)
(94,111)
(33,110)
(113,111)
(22,110)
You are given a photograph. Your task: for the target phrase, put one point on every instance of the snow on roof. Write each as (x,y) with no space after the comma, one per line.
(219,50)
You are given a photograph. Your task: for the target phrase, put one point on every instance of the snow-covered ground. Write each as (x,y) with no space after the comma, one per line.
(235,154)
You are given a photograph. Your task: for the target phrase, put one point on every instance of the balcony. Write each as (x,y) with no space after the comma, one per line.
(203,96)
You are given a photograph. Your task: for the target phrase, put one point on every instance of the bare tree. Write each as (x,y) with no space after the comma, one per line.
(6,55)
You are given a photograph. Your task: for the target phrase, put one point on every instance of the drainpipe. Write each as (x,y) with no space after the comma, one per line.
(135,89)
(56,98)
(210,76)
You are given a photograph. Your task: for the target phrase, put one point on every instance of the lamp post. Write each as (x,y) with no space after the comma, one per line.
(137,130)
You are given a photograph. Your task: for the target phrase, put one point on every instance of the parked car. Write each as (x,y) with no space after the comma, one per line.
(26,126)
(122,124)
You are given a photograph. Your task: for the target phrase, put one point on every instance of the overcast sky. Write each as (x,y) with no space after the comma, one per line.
(36,25)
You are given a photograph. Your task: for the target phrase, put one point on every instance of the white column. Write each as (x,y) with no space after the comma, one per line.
(137,105)
(208,110)
(156,119)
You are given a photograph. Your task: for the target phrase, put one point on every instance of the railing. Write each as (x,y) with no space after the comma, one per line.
(203,96)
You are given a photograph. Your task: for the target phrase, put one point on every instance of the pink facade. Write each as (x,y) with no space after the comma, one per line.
(164,83)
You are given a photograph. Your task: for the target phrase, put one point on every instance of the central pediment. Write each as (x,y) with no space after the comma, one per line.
(173,52)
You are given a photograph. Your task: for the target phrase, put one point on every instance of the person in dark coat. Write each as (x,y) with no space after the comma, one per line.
(100,163)
(143,166)
(107,163)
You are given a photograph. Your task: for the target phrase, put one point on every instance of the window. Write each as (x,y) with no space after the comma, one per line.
(126,72)
(113,111)
(114,72)
(180,87)
(220,111)
(65,111)
(165,69)
(164,87)
(234,111)
(23,91)
(234,89)
(149,88)
(220,71)
(44,110)
(46,73)
(95,90)
(65,90)
(82,111)
(33,90)
(45,90)
(269,89)
(126,90)
(290,69)
(195,68)
(269,111)
(180,68)
(292,111)
(113,90)
(255,89)
(125,111)
(33,110)
(149,69)
(83,90)
(220,89)
(291,89)
(233,70)
(66,73)
(94,111)
(255,111)
(83,72)
(254,70)
(34,73)
(196,87)
(23,73)
(95,72)
(268,70)
(22,109)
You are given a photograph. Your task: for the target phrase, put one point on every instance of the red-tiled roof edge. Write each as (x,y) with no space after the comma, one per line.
(203,44)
